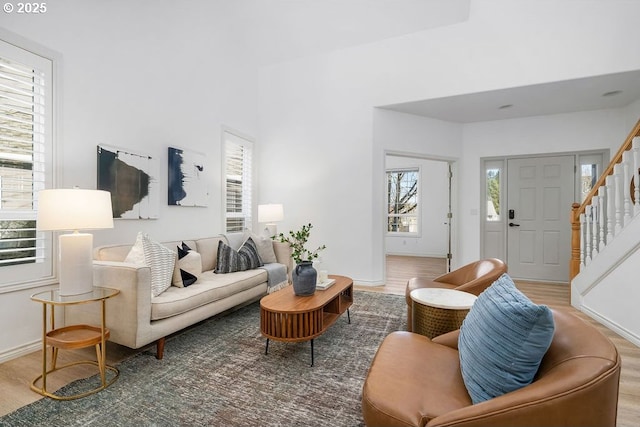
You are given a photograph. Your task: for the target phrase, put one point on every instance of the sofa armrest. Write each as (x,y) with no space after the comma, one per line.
(128,314)
(283,255)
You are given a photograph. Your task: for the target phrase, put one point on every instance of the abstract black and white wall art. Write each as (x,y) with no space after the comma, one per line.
(132,179)
(187,178)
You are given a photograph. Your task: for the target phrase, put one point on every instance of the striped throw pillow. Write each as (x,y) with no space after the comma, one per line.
(230,260)
(502,341)
(161,260)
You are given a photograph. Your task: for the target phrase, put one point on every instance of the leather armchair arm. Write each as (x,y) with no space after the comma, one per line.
(450,339)
(548,400)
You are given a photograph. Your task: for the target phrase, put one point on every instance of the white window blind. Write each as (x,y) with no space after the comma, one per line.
(25,163)
(238,165)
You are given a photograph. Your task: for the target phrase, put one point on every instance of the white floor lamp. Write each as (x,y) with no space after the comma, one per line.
(73,210)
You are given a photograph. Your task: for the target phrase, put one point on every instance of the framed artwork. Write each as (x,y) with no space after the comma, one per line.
(187,184)
(132,179)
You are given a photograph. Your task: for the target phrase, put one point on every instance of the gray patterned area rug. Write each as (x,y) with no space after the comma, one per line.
(216,374)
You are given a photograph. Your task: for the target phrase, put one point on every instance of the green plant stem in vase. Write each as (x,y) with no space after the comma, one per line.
(304,275)
(297,241)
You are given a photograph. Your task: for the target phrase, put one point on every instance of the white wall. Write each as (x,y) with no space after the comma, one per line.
(321,106)
(433,205)
(145,77)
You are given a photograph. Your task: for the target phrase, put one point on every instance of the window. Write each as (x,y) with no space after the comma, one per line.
(238,182)
(493,194)
(590,170)
(402,200)
(25,163)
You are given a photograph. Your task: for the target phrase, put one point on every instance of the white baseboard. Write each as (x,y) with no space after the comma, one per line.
(421,254)
(624,333)
(22,350)
(368,283)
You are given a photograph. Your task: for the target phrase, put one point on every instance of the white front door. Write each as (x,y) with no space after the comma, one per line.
(539,197)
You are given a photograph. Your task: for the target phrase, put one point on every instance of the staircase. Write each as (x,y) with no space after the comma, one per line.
(605,245)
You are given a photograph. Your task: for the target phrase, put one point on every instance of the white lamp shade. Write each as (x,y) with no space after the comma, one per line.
(74,209)
(270,213)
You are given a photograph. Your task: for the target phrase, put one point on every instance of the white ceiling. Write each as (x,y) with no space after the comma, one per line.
(536,100)
(280,30)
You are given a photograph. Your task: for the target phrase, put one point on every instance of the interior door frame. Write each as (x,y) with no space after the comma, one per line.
(453,202)
(503,160)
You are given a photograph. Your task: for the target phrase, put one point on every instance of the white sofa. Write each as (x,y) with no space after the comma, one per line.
(135,318)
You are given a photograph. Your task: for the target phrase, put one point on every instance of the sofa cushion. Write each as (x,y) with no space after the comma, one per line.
(210,287)
(208,250)
(188,267)
(502,341)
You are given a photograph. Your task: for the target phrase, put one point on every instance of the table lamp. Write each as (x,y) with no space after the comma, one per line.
(270,214)
(73,210)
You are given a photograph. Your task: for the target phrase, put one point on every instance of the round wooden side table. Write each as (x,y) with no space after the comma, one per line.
(437,311)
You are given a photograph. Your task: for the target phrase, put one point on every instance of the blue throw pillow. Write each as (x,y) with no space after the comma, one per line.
(502,341)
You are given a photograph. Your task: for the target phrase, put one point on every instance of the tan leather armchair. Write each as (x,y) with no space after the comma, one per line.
(473,278)
(415,381)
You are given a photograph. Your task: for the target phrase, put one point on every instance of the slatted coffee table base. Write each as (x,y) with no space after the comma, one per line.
(290,318)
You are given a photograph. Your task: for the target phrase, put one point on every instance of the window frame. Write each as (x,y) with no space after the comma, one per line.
(249,212)
(416,214)
(32,275)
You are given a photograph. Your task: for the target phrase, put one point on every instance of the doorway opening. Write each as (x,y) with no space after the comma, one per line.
(418,226)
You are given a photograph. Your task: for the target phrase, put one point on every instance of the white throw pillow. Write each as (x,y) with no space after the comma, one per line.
(136,254)
(158,258)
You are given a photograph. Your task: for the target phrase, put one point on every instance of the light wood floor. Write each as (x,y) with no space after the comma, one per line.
(17,374)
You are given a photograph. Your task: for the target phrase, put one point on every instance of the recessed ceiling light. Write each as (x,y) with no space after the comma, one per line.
(505,106)
(612,93)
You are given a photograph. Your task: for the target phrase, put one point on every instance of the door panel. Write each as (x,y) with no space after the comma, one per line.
(540,191)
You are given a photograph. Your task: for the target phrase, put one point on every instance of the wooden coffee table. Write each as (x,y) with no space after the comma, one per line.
(287,317)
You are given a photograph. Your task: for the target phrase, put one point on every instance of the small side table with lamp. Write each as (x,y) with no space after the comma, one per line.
(74,209)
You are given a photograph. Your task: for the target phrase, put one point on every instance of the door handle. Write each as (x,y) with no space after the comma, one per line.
(511,224)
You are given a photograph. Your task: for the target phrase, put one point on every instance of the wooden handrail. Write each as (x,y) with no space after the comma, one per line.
(577,209)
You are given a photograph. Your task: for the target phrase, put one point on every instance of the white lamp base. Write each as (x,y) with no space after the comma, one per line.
(270,230)
(76,263)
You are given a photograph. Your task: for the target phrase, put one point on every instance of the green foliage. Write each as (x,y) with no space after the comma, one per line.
(493,188)
(297,240)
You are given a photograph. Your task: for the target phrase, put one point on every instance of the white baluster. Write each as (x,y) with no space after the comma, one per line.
(610,183)
(602,212)
(587,237)
(635,148)
(626,181)
(595,213)
(582,243)
(617,175)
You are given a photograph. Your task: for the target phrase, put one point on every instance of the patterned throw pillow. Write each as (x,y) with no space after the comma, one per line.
(161,260)
(230,260)
(158,258)
(188,267)
(248,256)
(502,341)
